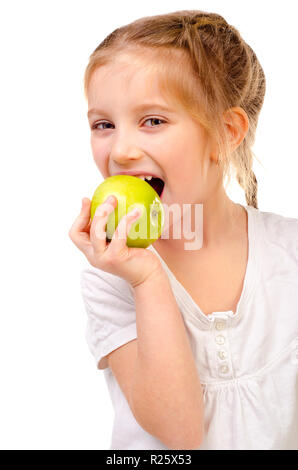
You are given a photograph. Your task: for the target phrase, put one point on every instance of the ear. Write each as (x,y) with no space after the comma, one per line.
(237,123)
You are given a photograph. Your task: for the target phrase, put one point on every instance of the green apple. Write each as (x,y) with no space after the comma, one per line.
(132,192)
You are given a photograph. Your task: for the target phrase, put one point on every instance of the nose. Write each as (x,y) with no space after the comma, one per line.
(124,149)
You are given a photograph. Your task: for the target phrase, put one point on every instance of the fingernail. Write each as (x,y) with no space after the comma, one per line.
(110,199)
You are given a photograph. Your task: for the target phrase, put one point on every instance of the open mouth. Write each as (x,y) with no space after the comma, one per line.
(156,183)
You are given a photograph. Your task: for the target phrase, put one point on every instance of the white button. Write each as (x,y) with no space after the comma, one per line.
(220,325)
(220,339)
(224,369)
(222,354)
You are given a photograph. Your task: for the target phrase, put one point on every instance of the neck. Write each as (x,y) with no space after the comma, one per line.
(223,221)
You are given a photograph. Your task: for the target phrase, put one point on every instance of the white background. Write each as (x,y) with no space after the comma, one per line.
(52,395)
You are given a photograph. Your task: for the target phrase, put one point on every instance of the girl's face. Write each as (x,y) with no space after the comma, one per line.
(135,129)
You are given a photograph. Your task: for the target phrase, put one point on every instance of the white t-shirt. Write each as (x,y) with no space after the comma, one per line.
(247,361)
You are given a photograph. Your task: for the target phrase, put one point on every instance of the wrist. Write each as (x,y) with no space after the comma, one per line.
(157,276)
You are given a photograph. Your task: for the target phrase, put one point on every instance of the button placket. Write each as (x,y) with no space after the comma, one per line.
(223,363)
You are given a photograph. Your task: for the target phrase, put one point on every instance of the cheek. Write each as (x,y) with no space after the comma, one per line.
(187,169)
(100,155)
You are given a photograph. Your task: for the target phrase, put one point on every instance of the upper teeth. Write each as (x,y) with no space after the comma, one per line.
(145,177)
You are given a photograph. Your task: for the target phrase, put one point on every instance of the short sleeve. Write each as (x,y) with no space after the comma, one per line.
(111,314)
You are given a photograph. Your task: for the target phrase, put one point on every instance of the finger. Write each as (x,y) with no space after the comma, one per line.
(98,225)
(81,223)
(119,239)
(79,232)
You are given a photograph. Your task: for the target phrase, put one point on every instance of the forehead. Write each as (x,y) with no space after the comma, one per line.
(129,76)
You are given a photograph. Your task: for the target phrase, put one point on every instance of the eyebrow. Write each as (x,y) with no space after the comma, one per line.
(140,107)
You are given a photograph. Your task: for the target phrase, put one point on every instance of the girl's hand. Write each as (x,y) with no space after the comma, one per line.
(135,265)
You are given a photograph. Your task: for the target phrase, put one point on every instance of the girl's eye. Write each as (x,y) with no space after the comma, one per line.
(154,119)
(97,124)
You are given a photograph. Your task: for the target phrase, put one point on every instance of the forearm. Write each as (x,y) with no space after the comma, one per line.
(166,391)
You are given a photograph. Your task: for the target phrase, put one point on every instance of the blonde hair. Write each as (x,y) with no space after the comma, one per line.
(205,65)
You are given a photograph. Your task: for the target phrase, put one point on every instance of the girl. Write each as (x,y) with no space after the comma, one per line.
(199,348)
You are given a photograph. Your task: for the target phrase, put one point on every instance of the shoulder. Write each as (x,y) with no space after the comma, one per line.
(280,231)
(279,224)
